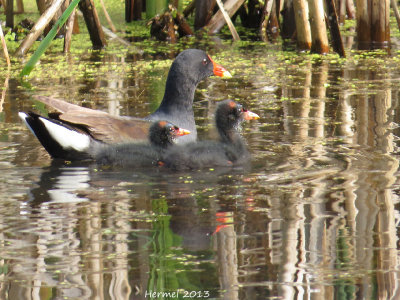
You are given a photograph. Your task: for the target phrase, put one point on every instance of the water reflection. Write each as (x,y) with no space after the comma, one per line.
(60,184)
(316,215)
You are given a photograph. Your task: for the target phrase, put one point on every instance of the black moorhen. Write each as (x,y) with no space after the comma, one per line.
(230,150)
(63,141)
(188,69)
(161,136)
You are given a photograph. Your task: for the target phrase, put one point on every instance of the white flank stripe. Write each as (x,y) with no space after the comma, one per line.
(68,139)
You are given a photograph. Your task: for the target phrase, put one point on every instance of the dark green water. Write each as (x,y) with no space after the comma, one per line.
(314,215)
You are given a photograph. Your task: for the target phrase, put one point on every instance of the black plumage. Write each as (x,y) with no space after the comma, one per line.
(229,150)
(162,135)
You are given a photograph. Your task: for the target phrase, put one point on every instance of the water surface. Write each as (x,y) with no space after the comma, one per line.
(314,214)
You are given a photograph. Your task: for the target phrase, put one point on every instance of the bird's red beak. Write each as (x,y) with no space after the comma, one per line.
(248,115)
(220,70)
(182,131)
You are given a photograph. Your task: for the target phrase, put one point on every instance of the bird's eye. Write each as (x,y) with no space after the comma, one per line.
(205,61)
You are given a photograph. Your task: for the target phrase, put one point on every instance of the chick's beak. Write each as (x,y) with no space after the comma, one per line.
(248,115)
(220,70)
(182,131)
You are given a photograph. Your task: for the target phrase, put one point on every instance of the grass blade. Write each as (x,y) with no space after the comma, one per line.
(47,40)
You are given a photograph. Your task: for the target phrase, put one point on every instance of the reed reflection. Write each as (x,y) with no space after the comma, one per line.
(331,225)
(316,217)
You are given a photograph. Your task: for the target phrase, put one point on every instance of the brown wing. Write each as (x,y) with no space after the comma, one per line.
(99,124)
(64,107)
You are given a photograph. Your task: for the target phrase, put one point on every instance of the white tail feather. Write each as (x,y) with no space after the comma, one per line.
(23,117)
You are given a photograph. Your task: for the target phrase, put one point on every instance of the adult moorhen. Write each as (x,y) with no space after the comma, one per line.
(66,142)
(188,69)
(229,151)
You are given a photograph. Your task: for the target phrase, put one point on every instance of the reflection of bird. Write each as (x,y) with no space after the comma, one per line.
(60,183)
(230,150)
(188,69)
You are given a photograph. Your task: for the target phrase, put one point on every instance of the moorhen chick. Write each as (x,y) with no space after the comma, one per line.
(162,135)
(63,141)
(230,150)
(188,69)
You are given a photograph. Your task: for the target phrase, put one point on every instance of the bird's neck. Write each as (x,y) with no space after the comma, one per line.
(160,143)
(234,141)
(179,92)
(230,136)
